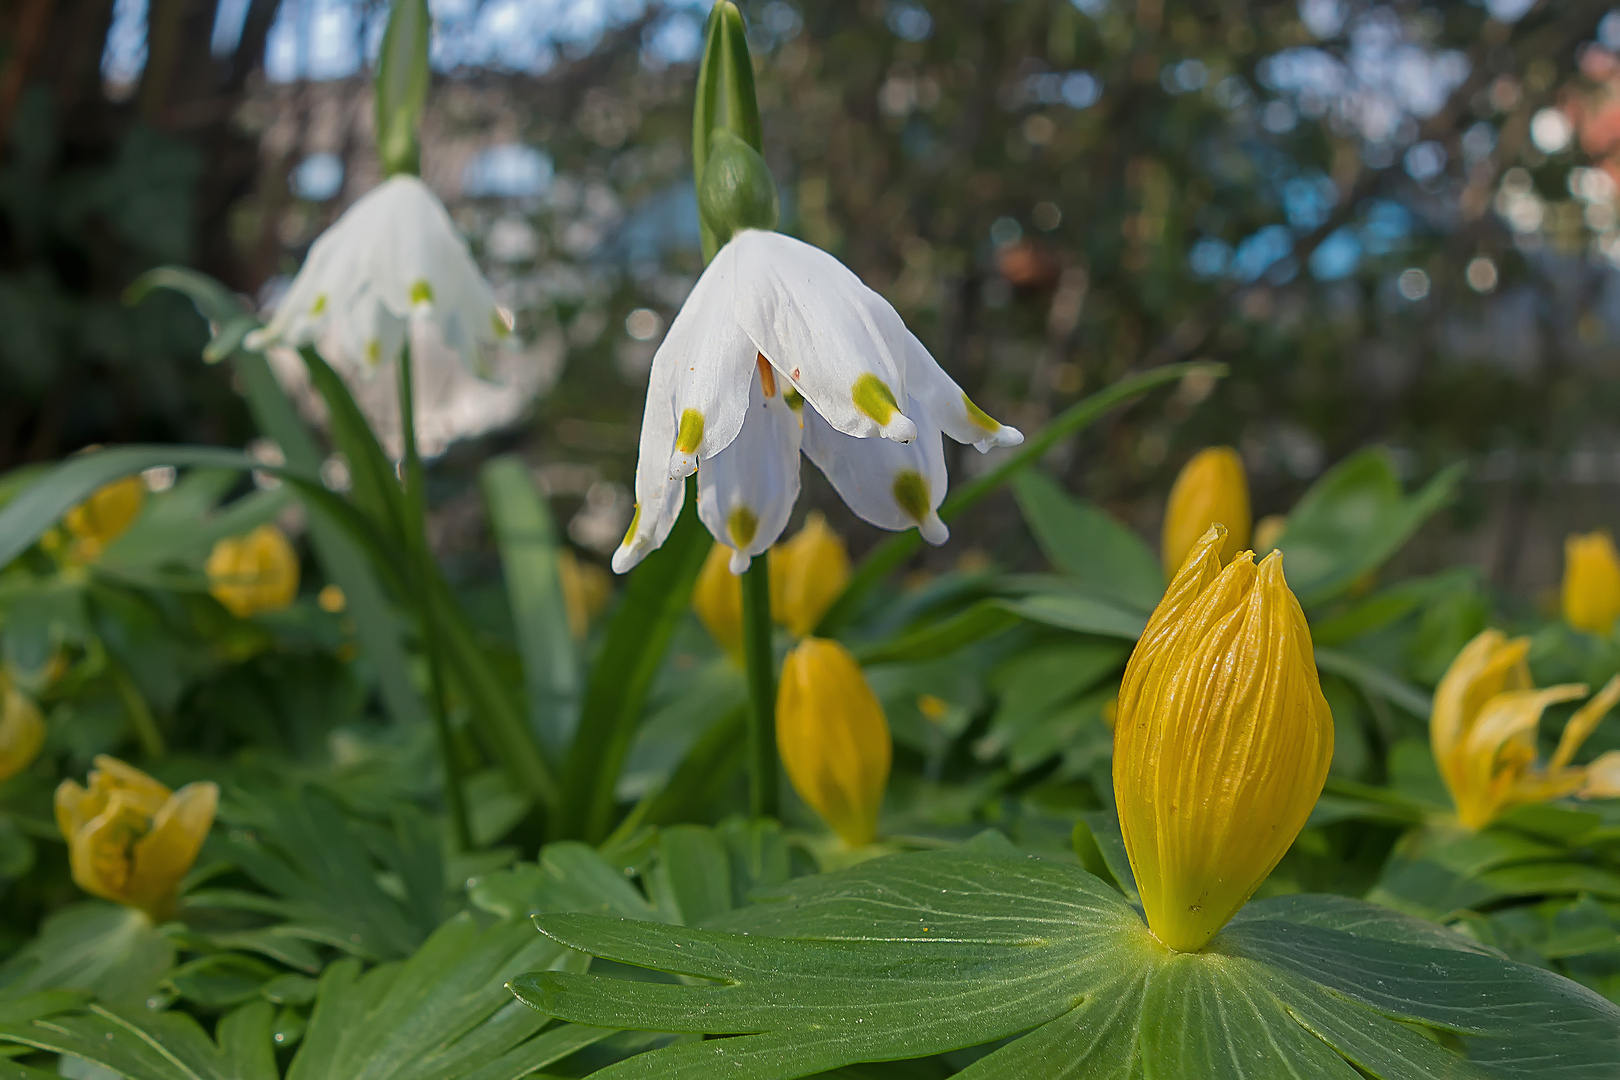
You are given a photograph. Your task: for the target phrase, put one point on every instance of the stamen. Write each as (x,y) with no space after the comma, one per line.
(767,375)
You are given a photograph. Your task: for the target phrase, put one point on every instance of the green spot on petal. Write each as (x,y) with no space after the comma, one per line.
(794,399)
(318,307)
(373,352)
(498,324)
(690,435)
(743,525)
(873,397)
(630,533)
(979,416)
(911,492)
(421,292)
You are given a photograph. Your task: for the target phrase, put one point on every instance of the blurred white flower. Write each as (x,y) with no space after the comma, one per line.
(780,348)
(391,259)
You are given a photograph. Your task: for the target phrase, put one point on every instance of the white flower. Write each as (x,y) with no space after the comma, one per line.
(781,348)
(393,258)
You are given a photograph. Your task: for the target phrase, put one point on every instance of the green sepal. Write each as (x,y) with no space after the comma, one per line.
(402,86)
(725,99)
(913,955)
(736,190)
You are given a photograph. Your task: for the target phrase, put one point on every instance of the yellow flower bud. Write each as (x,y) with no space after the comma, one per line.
(254,573)
(808,573)
(105,516)
(833,738)
(586,590)
(130,839)
(1222,741)
(1591,583)
(1483,730)
(1211,490)
(1269,531)
(331,599)
(717,599)
(22,729)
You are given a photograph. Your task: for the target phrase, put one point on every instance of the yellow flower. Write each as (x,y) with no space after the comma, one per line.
(808,573)
(130,839)
(255,572)
(833,738)
(1269,531)
(22,729)
(586,590)
(1211,490)
(1222,741)
(1591,583)
(331,599)
(104,516)
(717,599)
(1483,730)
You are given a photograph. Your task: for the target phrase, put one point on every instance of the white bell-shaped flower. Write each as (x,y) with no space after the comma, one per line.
(392,259)
(780,347)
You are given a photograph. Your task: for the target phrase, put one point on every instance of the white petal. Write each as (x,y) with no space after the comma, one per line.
(746,491)
(951,409)
(838,342)
(659,497)
(710,364)
(892,485)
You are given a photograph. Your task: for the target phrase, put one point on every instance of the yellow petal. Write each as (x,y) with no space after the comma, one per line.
(833,738)
(1582,724)
(1212,489)
(717,599)
(1493,762)
(1591,590)
(586,590)
(1602,777)
(254,573)
(808,573)
(1486,666)
(74,807)
(1221,745)
(135,787)
(22,731)
(106,514)
(99,851)
(162,857)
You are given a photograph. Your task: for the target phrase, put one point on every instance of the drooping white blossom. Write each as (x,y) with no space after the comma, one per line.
(779,348)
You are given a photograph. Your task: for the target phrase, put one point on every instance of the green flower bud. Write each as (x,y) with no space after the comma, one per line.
(737,191)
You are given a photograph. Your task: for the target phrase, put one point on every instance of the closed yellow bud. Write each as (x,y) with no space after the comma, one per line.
(717,599)
(254,573)
(1211,490)
(808,573)
(1591,583)
(130,839)
(1269,531)
(586,590)
(833,738)
(105,516)
(1487,714)
(22,729)
(1222,741)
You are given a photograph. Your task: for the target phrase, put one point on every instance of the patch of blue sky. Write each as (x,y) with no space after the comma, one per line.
(1308,199)
(1386,227)
(1260,252)
(1336,257)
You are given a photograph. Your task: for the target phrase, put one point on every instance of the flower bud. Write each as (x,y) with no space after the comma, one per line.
(105,516)
(833,738)
(130,839)
(737,191)
(1212,489)
(1591,583)
(1222,741)
(717,599)
(254,573)
(22,729)
(586,591)
(808,573)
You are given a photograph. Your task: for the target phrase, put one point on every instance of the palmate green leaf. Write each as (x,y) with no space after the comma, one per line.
(139,1044)
(112,951)
(1084,542)
(920,954)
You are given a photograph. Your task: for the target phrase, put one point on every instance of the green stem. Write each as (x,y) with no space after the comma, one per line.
(423,571)
(140,715)
(764,794)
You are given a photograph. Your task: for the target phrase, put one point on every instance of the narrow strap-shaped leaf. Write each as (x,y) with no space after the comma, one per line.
(374,484)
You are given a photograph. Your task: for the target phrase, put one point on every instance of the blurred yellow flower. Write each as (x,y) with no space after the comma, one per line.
(833,738)
(22,729)
(1483,730)
(808,573)
(331,599)
(933,708)
(1269,531)
(1222,741)
(130,839)
(254,572)
(586,590)
(1212,489)
(1591,583)
(104,516)
(717,599)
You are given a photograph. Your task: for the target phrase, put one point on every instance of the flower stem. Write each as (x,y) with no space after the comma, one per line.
(764,794)
(423,571)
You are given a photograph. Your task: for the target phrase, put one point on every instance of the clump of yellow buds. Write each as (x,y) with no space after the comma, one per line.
(807,572)
(22,728)
(105,516)
(586,590)
(254,573)
(1591,583)
(1222,741)
(130,839)
(1212,489)
(1483,729)
(833,738)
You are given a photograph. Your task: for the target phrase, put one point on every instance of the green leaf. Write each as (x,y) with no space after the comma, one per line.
(1086,543)
(374,486)
(139,1044)
(1077,611)
(114,952)
(402,85)
(1374,681)
(940,637)
(921,954)
(527,540)
(654,601)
